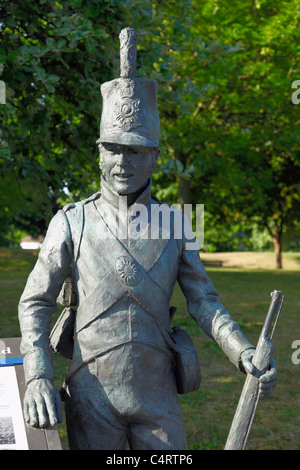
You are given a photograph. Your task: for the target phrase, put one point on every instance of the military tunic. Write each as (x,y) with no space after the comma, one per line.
(121,383)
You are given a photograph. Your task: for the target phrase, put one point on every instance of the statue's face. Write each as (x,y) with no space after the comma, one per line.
(127,168)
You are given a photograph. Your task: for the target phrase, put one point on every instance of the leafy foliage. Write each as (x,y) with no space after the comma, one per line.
(229,130)
(235,131)
(54,56)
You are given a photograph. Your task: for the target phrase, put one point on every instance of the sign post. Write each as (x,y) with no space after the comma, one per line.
(15,434)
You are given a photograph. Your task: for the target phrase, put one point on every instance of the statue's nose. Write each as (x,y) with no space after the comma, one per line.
(123,160)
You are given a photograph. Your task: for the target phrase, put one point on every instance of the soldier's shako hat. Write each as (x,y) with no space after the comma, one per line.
(129,112)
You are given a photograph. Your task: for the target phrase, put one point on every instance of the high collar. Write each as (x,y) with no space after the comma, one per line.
(113,198)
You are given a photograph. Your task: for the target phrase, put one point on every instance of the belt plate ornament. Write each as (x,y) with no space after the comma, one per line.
(128,271)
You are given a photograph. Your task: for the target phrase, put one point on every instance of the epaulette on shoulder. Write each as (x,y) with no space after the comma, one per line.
(91,198)
(159,201)
(68,206)
(72,205)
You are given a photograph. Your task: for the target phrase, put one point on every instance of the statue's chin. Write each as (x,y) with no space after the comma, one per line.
(127,186)
(130,187)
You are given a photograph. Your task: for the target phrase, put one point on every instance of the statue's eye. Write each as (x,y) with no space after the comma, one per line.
(135,150)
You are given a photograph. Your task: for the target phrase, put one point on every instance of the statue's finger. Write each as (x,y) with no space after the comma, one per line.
(51,409)
(42,413)
(33,419)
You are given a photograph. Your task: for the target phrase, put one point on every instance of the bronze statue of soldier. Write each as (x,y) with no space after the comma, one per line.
(121,386)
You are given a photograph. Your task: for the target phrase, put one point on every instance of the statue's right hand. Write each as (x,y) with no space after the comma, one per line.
(42,404)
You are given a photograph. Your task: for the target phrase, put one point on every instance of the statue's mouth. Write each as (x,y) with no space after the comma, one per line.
(123,176)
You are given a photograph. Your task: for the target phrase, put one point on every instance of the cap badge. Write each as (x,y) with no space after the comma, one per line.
(127,109)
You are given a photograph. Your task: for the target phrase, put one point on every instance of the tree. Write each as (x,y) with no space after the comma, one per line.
(260,120)
(238,137)
(53,57)
(229,128)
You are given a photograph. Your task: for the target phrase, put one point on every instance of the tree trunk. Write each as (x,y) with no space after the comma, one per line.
(184,185)
(276,237)
(53,201)
(184,191)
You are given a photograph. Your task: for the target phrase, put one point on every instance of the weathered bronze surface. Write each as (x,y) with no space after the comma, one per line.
(121,384)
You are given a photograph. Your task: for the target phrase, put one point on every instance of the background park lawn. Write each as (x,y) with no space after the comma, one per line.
(245,293)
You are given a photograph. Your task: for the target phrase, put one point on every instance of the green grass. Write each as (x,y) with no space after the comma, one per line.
(209,411)
(245,294)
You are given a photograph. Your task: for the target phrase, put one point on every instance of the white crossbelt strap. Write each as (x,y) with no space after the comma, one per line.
(123,274)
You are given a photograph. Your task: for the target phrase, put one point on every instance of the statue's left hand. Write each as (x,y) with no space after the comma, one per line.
(42,404)
(268,380)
